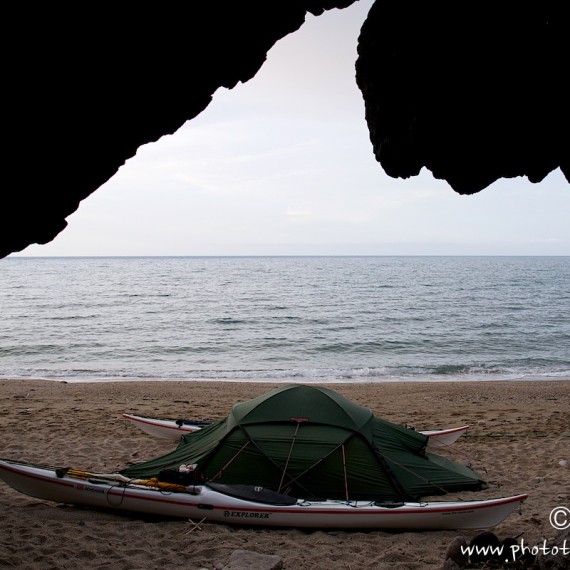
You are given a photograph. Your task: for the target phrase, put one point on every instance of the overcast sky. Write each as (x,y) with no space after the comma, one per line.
(283,165)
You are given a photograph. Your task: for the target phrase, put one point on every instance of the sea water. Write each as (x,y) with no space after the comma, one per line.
(300,319)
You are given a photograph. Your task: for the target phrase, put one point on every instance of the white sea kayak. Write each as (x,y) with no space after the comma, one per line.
(244,505)
(173,429)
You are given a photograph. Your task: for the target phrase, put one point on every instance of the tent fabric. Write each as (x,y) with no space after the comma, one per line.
(311,442)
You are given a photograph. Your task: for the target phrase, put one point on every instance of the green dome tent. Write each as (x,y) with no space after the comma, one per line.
(311,442)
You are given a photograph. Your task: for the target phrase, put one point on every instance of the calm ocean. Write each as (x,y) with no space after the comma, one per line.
(301,319)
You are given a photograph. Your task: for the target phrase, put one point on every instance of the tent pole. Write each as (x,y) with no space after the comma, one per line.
(288,457)
(345,475)
(219,473)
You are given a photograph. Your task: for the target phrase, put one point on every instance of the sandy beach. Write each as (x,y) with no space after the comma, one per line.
(519,440)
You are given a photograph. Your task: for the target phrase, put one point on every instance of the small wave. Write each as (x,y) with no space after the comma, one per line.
(228,321)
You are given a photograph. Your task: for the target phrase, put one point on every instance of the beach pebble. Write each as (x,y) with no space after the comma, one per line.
(509,554)
(563,463)
(555,561)
(456,551)
(450,564)
(247,560)
(485,541)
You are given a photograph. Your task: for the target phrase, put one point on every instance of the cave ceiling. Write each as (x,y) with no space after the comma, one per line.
(473,93)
